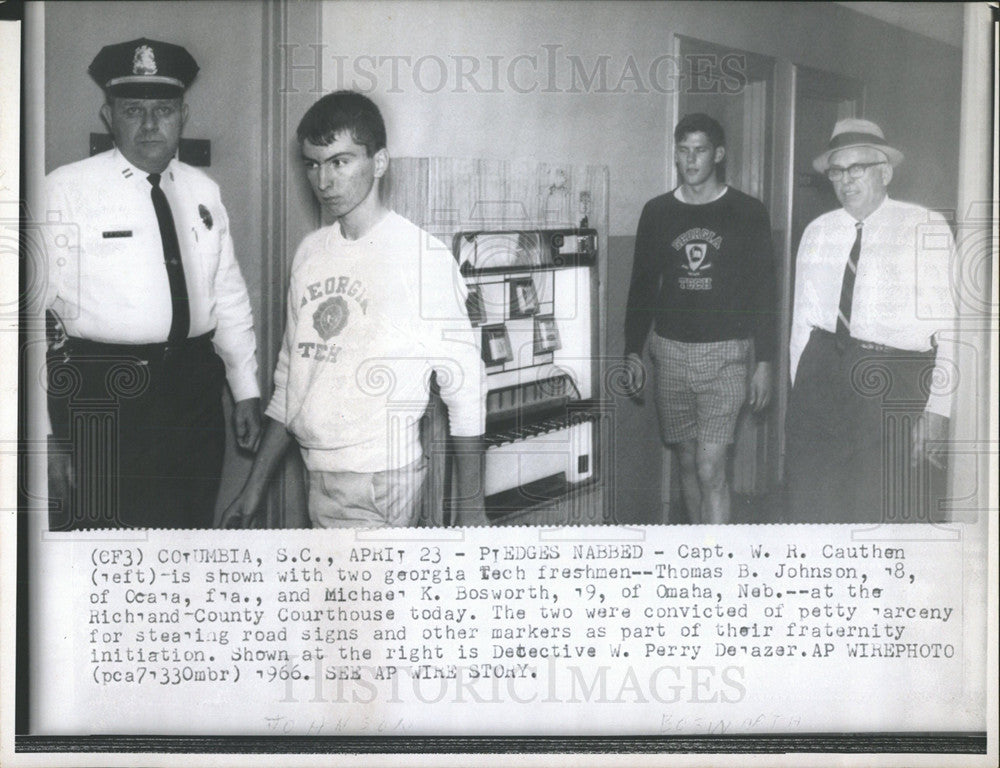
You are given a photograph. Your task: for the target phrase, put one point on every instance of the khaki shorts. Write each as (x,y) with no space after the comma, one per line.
(367,499)
(700,388)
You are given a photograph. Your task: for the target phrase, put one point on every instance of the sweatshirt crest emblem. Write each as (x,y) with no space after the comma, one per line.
(330,317)
(206,216)
(143,62)
(696,253)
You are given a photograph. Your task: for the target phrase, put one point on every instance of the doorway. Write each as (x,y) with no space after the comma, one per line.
(820,100)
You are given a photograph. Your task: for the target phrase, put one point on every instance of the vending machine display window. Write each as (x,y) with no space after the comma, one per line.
(496,345)
(475,307)
(523,297)
(546,335)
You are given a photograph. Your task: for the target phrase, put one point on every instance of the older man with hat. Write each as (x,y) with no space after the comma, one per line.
(871,346)
(154,313)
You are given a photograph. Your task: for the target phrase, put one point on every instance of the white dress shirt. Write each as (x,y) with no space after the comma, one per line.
(106,276)
(902,290)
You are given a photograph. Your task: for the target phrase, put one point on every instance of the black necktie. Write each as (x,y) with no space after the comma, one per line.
(847,287)
(180,323)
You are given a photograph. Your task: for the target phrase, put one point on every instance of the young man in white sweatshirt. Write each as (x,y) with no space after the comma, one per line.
(375,304)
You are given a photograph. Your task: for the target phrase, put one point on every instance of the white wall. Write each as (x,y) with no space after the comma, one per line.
(913,81)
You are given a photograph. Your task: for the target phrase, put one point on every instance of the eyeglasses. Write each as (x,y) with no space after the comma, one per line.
(856,171)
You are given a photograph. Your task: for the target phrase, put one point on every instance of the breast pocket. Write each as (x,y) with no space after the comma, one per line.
(117,247)
(118,269)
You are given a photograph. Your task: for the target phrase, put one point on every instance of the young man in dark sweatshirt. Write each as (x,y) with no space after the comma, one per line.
(703,279)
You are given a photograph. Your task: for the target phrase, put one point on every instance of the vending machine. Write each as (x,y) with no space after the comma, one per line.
(533,296)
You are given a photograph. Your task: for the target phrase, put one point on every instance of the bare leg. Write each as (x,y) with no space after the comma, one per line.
(690,489)
(711,463)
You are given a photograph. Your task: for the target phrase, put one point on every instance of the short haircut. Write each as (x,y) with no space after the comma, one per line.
(340,112)
(698,122)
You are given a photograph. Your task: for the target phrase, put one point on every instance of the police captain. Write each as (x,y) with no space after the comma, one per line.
(151,310)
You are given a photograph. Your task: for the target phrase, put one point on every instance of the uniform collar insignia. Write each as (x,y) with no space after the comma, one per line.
(130,171)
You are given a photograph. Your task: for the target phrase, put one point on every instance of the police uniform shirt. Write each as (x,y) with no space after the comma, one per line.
(106,276)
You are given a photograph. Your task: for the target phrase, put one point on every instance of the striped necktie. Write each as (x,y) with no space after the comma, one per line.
(180,323)
(847,287)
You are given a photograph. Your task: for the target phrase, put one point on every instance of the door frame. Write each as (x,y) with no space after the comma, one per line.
(800,80)
(778,158)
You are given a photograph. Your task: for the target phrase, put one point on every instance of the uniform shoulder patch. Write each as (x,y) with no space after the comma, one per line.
(206,216)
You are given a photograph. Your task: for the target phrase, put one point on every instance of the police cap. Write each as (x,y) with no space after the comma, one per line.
(144,69)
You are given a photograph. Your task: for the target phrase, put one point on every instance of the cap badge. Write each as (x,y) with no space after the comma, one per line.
(143,63)
(206,216)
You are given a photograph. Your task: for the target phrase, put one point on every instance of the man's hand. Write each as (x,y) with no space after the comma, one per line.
(243,512)
(760,387)
(635,373)
(929,438)
(246,422)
